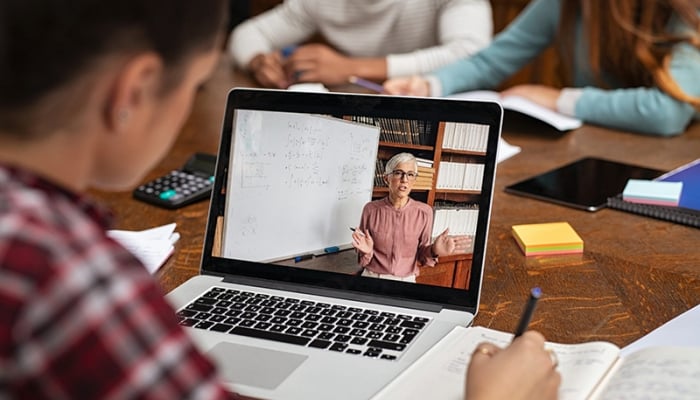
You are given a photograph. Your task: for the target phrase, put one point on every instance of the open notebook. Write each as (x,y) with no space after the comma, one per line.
(293,173)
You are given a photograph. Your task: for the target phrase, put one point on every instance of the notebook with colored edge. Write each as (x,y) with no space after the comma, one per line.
(547,239)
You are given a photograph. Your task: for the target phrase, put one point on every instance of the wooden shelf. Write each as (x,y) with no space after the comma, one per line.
(406,146)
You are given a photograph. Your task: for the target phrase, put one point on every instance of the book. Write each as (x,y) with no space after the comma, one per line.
(151,246)
(688,210)
(591,370)
(547,239)
(524,106)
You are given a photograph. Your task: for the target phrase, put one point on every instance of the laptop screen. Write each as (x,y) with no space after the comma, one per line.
(295,170)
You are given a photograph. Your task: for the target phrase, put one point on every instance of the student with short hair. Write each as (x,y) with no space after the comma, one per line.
(626,64)
(93,95)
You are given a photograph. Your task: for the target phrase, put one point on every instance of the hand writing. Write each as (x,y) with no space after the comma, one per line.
(523,370)
(268,71)
(413,86)
(318,63)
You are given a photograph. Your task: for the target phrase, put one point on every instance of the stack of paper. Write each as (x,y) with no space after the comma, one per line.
(653,192)
(151,246)
(547,239)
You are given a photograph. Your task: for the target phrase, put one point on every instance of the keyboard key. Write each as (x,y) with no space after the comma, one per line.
(279,337)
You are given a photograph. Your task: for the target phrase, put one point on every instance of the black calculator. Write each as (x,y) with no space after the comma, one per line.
(191,183)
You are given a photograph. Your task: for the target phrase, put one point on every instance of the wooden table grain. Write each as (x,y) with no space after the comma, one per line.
(635,273)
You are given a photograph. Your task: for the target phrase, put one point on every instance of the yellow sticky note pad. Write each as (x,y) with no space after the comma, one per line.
(547,239)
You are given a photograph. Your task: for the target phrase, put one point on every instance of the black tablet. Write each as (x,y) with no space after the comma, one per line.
(584,184)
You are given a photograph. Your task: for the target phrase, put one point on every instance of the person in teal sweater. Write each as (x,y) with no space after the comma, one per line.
(628,64)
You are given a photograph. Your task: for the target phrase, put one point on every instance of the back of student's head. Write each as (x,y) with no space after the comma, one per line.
(46,45)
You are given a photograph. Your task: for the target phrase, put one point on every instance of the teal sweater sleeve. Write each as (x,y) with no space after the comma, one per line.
(523,40)
(643,109)
(646,109)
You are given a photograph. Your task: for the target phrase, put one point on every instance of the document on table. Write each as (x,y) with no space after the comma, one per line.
(151,246)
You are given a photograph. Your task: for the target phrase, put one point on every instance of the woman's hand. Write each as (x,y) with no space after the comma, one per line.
(545,96)
(523,370)
(362,241)
(445,245)
(413,86)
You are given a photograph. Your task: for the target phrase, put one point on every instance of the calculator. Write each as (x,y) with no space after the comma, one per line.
(187,185)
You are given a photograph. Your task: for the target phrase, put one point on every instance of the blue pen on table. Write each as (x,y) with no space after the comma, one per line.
(535,294)
(366,84)
(303,257)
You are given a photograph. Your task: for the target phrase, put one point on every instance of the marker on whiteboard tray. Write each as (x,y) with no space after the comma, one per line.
(303,257)
(332,249)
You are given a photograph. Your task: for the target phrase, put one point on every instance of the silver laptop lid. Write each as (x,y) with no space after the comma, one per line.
(294,170)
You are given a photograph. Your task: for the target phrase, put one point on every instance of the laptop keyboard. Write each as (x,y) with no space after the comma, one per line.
(335,327)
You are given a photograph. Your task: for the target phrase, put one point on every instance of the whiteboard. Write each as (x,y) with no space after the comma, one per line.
(297,183)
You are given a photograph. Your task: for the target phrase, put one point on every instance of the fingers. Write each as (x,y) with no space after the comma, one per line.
(267,70)
(484,351)
(413,86)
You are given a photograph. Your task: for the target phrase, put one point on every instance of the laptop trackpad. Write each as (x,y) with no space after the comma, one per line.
(254,366)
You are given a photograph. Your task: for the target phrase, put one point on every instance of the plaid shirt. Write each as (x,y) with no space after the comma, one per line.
(79,316)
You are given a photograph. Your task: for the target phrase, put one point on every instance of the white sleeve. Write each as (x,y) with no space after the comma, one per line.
(287,24)
(465,27)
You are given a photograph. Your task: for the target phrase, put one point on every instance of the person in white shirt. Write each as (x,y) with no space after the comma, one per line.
(370,39)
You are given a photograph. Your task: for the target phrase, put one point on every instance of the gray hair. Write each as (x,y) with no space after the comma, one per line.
(398,159)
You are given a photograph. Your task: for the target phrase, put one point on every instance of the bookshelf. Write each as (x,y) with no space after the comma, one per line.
(450,173)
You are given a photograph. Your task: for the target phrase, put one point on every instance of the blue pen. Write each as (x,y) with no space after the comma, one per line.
(366,84)
(535,294)
(332,249)
(288,50)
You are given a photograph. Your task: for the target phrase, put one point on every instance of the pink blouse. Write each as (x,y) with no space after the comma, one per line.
(402,238)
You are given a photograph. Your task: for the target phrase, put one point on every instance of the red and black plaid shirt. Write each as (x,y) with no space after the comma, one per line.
(80,317)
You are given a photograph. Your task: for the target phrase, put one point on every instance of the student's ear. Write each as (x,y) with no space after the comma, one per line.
(135,84)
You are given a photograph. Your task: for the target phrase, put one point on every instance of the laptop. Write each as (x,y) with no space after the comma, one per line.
(280,303)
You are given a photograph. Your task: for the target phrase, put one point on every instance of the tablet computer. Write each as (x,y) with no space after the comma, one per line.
(585,184)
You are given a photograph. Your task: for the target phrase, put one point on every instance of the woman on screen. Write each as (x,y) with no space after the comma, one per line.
(394,236)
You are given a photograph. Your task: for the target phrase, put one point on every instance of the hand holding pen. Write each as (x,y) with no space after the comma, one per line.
(529,310)
(362,241)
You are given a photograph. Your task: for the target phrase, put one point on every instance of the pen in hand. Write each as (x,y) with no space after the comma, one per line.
(535,294)
(375,87)
(355,230)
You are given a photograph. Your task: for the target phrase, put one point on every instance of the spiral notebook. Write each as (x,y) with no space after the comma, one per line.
(688,210)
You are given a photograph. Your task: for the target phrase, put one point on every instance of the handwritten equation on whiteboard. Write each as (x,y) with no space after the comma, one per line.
(312,174)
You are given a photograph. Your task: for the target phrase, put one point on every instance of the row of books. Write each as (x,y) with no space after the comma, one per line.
(465,136)
(404,131)
(460,176)
(460,218)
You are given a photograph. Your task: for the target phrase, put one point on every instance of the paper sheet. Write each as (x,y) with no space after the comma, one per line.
(151,246)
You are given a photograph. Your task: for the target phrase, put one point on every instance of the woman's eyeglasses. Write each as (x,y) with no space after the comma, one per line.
(398,174)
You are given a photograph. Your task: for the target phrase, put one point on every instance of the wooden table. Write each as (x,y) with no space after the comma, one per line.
(635,274)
